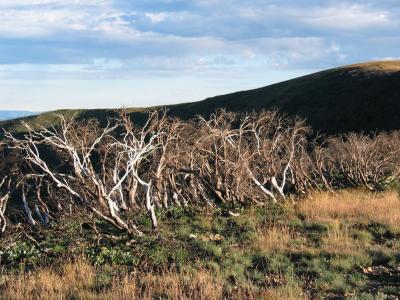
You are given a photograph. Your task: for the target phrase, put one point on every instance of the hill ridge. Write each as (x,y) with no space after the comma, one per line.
(358,97)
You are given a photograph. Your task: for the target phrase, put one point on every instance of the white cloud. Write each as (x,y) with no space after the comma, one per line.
(17,3)
(248,54)
(119,39)
(107,64)
(37,22)
(97,68)
(346,17)
(156,17)
(23,18)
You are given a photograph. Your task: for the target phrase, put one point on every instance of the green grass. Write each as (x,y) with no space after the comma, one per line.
(44,119)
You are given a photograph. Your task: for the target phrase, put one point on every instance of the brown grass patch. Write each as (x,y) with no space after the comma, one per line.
(289,291)
(353,205)
(80,280)
(339,241)
(275,239)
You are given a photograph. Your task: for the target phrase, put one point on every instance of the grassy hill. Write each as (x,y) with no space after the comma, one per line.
(360,97)
(15,125)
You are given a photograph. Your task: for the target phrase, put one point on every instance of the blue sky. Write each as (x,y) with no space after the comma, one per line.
(111,53)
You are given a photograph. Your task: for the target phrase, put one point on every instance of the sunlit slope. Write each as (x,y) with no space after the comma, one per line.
(51,117)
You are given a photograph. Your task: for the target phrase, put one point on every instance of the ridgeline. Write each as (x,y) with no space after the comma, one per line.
(361,97)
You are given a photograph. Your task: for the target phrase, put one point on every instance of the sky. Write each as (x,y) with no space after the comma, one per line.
(111,53)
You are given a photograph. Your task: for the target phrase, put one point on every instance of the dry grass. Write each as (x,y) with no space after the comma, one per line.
(354,206)
(339,241)
(71,282)
(80,281)
(289,291)
(275,239)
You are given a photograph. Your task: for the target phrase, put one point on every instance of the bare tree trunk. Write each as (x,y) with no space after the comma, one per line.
(132,191)
(27,210)
(261,186)
(3,205)
(165,198)
(150,205)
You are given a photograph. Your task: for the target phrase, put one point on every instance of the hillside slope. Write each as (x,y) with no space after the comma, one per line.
(47,118)
(361,97)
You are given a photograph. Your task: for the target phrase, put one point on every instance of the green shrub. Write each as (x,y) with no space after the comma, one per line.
(332,281)
(111,256)
(208,249)
(273,264)
(159,255)
(363,235)
(181,257)
(20,252)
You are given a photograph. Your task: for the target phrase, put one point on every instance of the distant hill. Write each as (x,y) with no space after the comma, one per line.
(13,114)
(360,97)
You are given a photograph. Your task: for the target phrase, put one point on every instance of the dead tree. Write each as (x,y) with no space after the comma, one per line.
(5,190)
(77,144)
(181,173)
(211,162)
(214,151)
(361,160)
(312,168)
(235,158)
(140,145)
(276,141)
(228,158)
(164,159)
(4,197)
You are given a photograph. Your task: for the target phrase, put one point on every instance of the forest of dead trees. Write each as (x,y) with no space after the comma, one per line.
(115,172)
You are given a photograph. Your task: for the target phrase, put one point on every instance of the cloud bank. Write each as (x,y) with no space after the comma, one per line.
(245,42)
